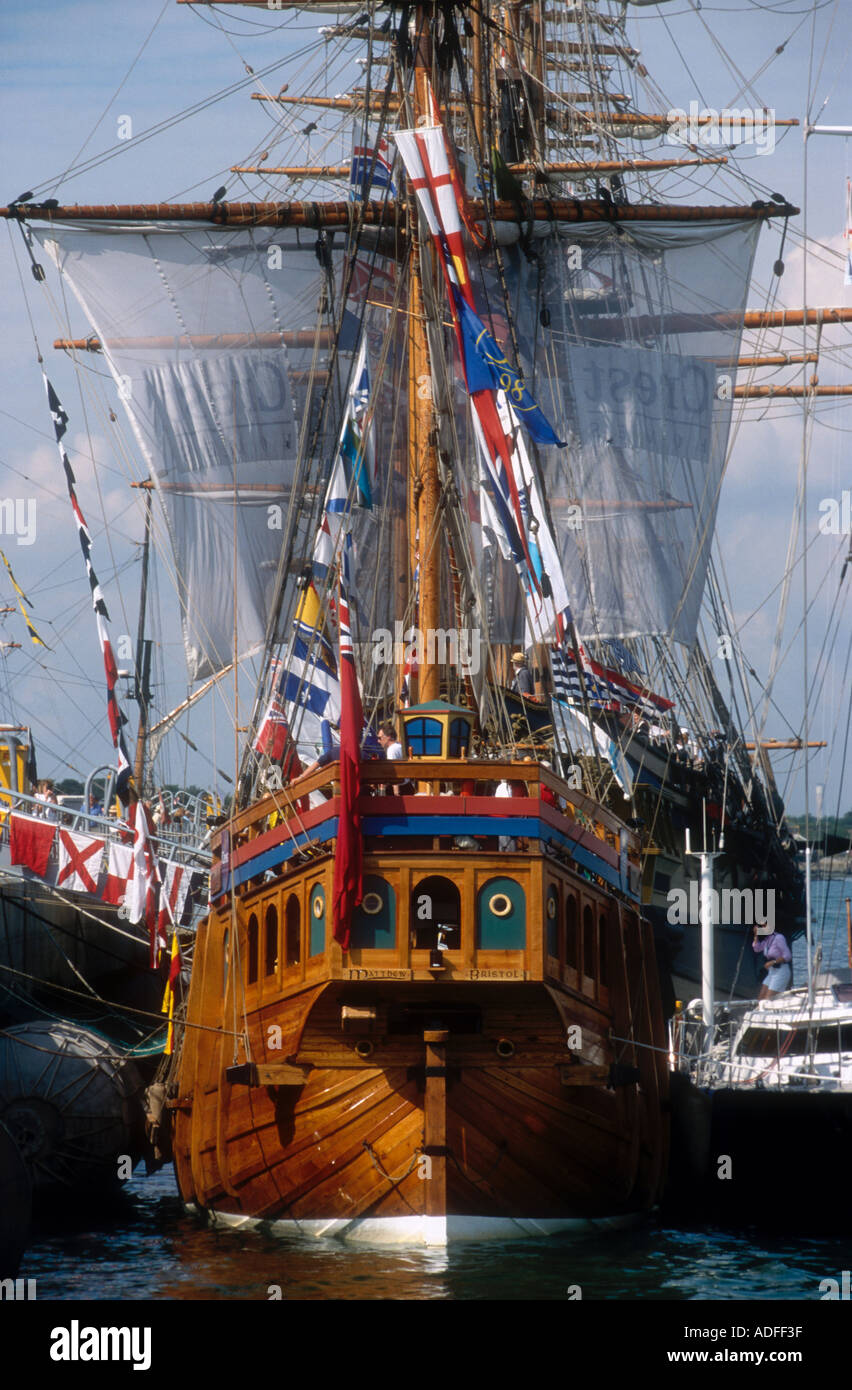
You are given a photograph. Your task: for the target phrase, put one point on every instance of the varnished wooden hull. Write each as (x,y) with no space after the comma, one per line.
(513,1084)
(515,1148)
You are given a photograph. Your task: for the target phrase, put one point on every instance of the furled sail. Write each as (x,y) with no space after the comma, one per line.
(210,335)
(631,334)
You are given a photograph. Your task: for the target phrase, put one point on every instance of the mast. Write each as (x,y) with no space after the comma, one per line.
(422,443)
(142,663)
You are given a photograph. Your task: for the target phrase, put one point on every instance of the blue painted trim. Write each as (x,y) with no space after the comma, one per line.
(530,827)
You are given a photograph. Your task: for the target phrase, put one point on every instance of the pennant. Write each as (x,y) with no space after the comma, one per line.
(119,870)
(347,887)
(79,862)
(168,1006)
(22,599)
(117,718)
(31,841)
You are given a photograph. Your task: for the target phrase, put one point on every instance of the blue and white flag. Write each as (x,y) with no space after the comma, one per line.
(370,171)
(487,369)
(349,484)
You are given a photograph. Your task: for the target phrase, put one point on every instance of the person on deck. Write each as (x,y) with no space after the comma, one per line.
(389,741)
(394,753)
(773,946)
(523,681)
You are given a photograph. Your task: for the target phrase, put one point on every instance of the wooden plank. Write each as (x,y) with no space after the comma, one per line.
(435,1120)
(280,1074)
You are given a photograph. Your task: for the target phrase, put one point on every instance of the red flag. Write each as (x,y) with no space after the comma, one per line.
(31,843)
(347,859)
(274,735)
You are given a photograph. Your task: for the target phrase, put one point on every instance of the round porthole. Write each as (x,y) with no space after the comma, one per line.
(551,908)
(364,1048)
(319,905)
(500,904)
(505,1048)
(372,904)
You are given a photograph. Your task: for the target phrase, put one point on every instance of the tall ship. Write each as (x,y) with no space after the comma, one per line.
(440,441)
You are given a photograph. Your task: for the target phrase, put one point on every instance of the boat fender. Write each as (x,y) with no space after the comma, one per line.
(157,1127)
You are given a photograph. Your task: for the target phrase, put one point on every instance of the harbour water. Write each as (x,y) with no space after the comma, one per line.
(149,1249)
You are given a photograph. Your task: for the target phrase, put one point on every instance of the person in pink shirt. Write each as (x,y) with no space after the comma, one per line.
(773,946)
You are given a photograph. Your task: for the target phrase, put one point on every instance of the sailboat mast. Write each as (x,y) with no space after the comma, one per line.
(143,660)
(422,445)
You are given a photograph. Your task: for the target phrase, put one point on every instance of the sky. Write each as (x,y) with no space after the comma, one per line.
(80,74)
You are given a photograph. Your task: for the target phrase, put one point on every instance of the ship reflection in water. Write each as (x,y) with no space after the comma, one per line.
(153,1249)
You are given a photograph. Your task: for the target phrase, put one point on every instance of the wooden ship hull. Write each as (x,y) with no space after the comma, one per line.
(507,1086)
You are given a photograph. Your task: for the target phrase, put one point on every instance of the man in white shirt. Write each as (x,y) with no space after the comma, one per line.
(388,739)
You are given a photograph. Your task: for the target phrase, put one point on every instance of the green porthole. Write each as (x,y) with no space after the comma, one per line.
(374,922)
(317,930)
(501,917)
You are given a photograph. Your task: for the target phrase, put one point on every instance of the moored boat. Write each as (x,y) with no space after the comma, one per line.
(486,1058)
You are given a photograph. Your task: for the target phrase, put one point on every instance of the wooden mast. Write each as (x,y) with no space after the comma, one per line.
(142,663)
(422,439)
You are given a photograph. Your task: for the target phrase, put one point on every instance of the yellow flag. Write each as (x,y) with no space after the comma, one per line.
(22,599)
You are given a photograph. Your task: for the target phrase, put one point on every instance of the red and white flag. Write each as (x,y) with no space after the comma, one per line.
(31,841)
(143,890)
(178,892)
(79,862)
(119,871)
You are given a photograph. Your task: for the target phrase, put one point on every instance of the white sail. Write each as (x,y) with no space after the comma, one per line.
(201,328)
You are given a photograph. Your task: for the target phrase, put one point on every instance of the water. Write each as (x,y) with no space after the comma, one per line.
(153,1249)
(150,1249)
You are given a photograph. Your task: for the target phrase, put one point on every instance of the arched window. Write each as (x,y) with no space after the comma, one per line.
(603,933)
(501,916)
(374,922)
(551,924)
(270,955)
(293,931)
(424,737)
(572,944)
(589,961)
(253,949)
(435,902)
(459,737)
